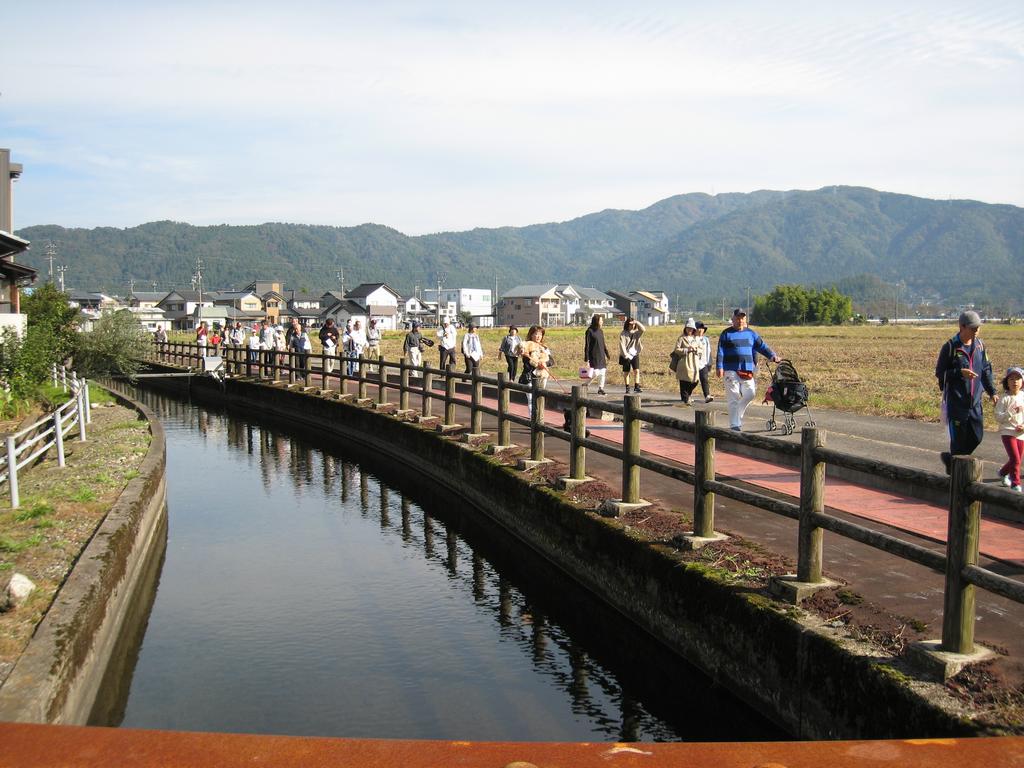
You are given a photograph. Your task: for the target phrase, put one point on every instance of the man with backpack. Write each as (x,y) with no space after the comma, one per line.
(964,373)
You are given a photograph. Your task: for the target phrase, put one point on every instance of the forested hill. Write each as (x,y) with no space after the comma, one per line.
(695,246)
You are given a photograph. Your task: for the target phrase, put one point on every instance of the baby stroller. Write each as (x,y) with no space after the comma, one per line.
(788,394)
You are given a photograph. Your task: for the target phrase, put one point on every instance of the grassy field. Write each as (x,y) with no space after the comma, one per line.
(882,370)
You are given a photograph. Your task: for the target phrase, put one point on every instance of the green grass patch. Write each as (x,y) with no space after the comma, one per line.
(98,395)
(6,566)
(82,495)
(11,545)
(132,424)
(36,510)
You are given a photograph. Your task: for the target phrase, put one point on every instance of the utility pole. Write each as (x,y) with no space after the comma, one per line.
(60,271)
(440,281)
(723,309)
(51,253)
(197,279)
(131,285)
(340,275)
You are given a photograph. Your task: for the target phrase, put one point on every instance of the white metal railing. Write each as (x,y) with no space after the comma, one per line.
(27,445)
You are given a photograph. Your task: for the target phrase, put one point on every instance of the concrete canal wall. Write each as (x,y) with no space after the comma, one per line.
(805,676)
(60,674)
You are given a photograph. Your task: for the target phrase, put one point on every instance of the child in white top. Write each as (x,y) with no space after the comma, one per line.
(1010,416)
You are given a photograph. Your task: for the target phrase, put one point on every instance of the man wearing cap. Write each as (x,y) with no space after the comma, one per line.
(964,373)
(736,362)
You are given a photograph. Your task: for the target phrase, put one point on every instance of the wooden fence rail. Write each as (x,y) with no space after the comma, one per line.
(966,493)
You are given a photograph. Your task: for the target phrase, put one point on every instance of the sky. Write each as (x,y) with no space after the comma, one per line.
(430,117)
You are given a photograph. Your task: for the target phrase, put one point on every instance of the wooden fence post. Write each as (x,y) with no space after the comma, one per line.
(291,367)
(536,422)
(362,376)
(382,391)
(703,470)
(630,449)
(961,551)
(476,415)
(504,430)
(427,404)
(812,502)
(449,395)
(577,453)
(403,385)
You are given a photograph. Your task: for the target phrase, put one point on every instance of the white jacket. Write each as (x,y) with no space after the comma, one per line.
(1010,414)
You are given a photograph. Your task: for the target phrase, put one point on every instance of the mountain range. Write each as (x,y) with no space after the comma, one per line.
(698,248)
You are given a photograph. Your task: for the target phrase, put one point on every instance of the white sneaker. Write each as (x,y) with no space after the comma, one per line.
(1007,482)
(1017,488)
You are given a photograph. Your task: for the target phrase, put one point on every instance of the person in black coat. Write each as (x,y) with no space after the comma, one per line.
(595,352)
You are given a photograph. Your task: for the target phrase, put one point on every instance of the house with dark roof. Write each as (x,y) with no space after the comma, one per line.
(13,277)
(379,301)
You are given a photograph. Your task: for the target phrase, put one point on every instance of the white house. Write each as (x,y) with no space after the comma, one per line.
(651,307)
(379,302)
(478,302)
(343,310)
(595,302)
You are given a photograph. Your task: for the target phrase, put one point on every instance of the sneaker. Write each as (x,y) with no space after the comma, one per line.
(709,399)
(1007,482)
(637,388)
(1017,488)
(601,392)
(736,429)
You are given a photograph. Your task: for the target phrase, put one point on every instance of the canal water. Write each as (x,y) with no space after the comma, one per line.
(308,590)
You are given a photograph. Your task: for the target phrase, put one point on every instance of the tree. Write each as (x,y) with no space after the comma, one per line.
(465,317)
(26,362)
(798,305)
(116,345)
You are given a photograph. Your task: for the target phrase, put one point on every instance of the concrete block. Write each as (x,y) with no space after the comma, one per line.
(448,429)
(427,421)
(692,542)
(936,664)
(345,397)
(476,439)
(498,450)
(385,407)
(364,401)
(616,507)
(568,483)
(526,464)
(790,590)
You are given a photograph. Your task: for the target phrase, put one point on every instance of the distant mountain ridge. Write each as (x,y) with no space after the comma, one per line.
(695,246)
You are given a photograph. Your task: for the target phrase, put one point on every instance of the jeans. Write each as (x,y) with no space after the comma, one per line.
(512,361)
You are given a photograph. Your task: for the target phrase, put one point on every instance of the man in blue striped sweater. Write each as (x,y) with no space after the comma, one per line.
(738,347)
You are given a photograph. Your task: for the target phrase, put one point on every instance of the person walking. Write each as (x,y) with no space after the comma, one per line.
(510,347)
(356,346)
(472,349)
(412,347)
(736,362)
(447,336)
(1010,417)
(267,344)
(252,354)
(630,347)
(301,346)
(329,337)
(688,359)
(201,336)
(373,342)
(705,343)
(595,352)
(964,374)
(536,359)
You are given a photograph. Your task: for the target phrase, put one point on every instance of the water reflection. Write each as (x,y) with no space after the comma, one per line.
(614,682)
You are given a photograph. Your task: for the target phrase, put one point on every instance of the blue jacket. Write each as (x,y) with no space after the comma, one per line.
(737,350)
(963,396)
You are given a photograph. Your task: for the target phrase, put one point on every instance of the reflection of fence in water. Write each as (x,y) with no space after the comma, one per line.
(552,651)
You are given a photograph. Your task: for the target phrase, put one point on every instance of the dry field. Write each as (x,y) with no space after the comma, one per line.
(881,370)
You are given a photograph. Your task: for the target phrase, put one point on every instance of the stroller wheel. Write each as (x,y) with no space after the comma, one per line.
(789,428)
(770,425)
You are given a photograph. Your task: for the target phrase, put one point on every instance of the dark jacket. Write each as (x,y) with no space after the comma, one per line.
(962,395)
(595,351)
(329,332)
